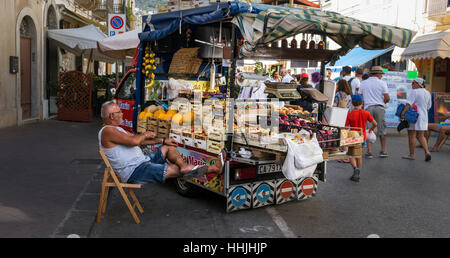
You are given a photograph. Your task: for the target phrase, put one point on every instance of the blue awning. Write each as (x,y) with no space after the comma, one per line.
(359,56)
(159,25)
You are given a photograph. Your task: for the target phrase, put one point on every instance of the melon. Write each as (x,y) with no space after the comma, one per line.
(177,119)
(148,114)
(188,117)
(353,134)
(142,115)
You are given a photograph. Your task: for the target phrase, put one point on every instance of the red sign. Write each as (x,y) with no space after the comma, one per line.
(286,189)
(126,106)
(441,106)
(308,186)
(117,22)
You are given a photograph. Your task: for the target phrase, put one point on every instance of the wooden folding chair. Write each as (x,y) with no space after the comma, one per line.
(110,179)
(444,141)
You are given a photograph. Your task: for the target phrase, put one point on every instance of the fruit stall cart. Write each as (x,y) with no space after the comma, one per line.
(173,49)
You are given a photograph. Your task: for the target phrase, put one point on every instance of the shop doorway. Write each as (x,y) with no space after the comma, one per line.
(29,93)
(25,76)
(52,59)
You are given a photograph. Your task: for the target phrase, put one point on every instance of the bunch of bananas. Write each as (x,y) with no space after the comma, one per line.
(149,66)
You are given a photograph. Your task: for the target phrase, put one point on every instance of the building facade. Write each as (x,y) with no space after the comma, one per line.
(31,62)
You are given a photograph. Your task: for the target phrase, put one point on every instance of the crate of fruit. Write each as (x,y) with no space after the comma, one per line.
(152,121)
(328,136)
(351,136)
(141,126)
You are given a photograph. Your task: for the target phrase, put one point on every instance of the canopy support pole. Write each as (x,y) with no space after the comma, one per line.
(231,91)
(90,60)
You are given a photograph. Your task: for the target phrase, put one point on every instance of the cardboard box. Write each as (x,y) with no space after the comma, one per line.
(214,146)
(200,141)
(187,139)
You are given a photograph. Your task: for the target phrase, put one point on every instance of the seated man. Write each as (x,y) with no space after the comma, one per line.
(129,162)
(443,129)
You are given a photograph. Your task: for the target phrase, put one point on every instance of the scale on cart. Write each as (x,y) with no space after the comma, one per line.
(282,90)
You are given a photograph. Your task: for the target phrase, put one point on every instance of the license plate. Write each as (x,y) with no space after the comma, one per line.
(269,168)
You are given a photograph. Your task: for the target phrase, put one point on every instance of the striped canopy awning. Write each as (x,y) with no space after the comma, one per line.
(273,23)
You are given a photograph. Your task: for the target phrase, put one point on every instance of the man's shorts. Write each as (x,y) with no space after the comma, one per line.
(379,114)
(152,171)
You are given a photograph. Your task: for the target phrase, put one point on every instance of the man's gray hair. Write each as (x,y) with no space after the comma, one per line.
(104,105)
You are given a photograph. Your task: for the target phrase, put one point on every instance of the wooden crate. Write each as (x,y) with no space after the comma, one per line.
(152,128)
(200,141)
(162,135)
(325,154)
(355,150)
(214,146)
(152,121)
(141,126)
(263,153)
(163,123)
(353,140)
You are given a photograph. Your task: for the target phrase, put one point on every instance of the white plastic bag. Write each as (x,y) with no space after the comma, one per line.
(289,169)
(308,153)
(372,137)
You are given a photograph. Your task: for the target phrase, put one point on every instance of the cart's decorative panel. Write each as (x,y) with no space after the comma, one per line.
(306,187)
(239,197)
(263,194)
(286,191)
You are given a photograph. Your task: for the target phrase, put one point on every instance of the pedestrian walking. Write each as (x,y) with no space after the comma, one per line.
(375,95)
(419,98)
(316,78)
(358,118)
(354,82)
(343,96)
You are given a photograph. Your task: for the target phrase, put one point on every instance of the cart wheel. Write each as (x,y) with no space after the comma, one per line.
(184,188)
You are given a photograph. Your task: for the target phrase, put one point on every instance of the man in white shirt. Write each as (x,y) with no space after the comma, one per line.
(375,95)
(286,78)
(353,81)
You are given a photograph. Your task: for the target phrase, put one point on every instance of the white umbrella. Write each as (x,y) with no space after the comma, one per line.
(121,45)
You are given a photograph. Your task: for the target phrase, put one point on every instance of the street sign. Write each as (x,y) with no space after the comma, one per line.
(263,194)
(285,191)
(239,197)
(116,24)
(307,188)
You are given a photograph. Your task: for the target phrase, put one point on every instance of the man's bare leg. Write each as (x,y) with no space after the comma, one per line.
(171,154)
(431,127)
(442,131)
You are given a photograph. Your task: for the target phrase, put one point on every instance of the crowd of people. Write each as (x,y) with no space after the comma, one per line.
(365,96)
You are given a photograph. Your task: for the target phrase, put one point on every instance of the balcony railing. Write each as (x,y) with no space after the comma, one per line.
(437,7)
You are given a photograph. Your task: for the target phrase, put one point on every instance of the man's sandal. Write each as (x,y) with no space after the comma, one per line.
(197,171)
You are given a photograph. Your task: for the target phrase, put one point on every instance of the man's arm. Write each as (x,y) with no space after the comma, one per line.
(386,97)
(164,141)
(112,137)
(373,122)
(153,141)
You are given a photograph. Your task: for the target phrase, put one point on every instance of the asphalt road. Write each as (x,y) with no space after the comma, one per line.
(395,198)
(50,177)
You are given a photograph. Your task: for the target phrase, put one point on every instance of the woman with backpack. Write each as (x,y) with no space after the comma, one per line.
(343,97)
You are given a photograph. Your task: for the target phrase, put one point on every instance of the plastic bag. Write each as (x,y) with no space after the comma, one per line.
(289,170)
(308,153)
(372,137)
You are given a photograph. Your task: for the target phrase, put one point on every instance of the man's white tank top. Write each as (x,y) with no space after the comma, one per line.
(123,159)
